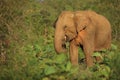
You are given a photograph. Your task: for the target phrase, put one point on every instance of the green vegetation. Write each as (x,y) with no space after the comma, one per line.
(26,41)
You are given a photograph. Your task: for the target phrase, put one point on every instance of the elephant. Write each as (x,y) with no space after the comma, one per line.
(86,28)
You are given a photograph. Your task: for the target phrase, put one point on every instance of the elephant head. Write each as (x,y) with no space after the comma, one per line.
(64,30)
(82,20)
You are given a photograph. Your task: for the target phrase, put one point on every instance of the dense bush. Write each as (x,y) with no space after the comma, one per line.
(26,41)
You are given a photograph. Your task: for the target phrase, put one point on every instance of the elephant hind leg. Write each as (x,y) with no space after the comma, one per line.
(108,42)
(103,44)
(101,47)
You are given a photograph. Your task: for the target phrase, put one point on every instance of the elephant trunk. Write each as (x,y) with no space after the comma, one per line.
(59,40)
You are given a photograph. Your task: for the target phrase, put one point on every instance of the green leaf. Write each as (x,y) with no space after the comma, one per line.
(104,50)
(62,67)
(61,78)
(97,54)
(68,66)
(114,47)
(61,58)
(104,73)
(50,70)
(67,7)
(45,78)
(106,70)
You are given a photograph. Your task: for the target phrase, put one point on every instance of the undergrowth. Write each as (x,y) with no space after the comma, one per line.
(38,62)
(27,37)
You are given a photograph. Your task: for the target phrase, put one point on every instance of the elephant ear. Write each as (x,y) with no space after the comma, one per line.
(82,20)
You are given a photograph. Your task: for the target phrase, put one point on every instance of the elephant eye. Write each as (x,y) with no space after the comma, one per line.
(84,27)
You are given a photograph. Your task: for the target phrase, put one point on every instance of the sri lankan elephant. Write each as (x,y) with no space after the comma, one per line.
(86,28)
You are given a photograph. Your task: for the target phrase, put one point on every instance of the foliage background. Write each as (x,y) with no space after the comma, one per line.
(26,41)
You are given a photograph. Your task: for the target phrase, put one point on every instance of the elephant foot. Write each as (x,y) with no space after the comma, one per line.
(90,64)
(89,61)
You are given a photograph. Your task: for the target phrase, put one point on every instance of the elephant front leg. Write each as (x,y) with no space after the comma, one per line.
(88,50)
(74,52)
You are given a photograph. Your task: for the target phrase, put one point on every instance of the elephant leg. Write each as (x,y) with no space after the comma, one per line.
(74,52)
(88,50)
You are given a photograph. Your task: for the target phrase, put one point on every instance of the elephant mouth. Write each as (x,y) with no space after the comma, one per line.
(66,38)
